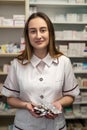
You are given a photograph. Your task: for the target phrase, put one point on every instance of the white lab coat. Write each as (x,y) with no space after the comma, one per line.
(28,84)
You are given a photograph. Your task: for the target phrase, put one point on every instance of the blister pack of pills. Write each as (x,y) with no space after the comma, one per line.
(46,108)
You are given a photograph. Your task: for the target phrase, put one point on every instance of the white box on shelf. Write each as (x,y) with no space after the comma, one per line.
(7,22)
(85,53)
(71,17)
(3,127)
(19,22)
(1,21)
(32,10)
(18,17)
(84,17)
(84,110)
(67,34)
(59,35)
(84,35)
(76,110)
(63,49)
(60,18)
(72,1)
(84,82)
(80,1)
(63,0)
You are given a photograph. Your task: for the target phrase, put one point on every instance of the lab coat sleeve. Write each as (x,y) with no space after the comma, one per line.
(11,87)
(70,86)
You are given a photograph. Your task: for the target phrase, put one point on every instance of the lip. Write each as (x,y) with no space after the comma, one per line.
(39,42)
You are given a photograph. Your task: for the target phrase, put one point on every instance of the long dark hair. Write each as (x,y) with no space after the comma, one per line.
(28,52)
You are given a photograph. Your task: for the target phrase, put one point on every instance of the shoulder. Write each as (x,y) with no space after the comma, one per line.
(15,63)
(64,59)
(18,63)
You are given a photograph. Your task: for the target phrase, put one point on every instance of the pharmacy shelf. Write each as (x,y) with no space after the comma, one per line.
(71,40)
(8,112)
(80,72)
(80,116)
(2,73)
(16,54)
(66,6)
(81,103)
(12,1)
(73,23)
(10,34)
(9,54)
(79,57)
(0,94)
(11,27)
(83,88)
(54,4)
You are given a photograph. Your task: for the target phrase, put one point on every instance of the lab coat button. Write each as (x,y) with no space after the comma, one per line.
(41,96)
(41,79)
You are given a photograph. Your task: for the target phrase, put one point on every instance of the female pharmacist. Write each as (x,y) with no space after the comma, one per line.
(41,74)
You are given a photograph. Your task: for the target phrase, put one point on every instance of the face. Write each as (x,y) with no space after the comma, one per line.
(38,33)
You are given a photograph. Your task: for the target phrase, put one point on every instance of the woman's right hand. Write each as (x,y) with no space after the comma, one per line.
(30,107)
(18,103)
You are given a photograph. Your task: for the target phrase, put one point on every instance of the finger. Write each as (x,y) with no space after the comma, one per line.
(50,117)
(36,115)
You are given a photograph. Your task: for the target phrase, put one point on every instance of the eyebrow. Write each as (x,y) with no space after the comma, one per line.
(31,28)
(35,28)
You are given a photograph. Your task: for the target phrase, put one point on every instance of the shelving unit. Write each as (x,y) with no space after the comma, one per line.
(7,9)
(6,58)
(9,34)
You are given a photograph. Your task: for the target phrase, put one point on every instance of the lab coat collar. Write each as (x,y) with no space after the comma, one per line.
(47,60)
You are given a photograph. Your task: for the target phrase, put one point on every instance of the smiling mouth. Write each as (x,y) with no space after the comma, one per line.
(39,42)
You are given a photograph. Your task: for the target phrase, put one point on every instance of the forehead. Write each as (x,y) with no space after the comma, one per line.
(37,22)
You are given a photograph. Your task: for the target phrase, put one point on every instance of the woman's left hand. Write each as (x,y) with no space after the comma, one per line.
(58,106)
(51,115)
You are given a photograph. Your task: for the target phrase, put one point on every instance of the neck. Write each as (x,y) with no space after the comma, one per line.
(40,54)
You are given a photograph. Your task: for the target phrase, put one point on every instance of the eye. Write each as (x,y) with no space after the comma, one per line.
(42,30)
(32,31)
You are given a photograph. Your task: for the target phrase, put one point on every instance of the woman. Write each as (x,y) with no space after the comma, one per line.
(40,73)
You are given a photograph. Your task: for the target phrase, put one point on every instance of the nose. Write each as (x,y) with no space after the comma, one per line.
(38,34)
